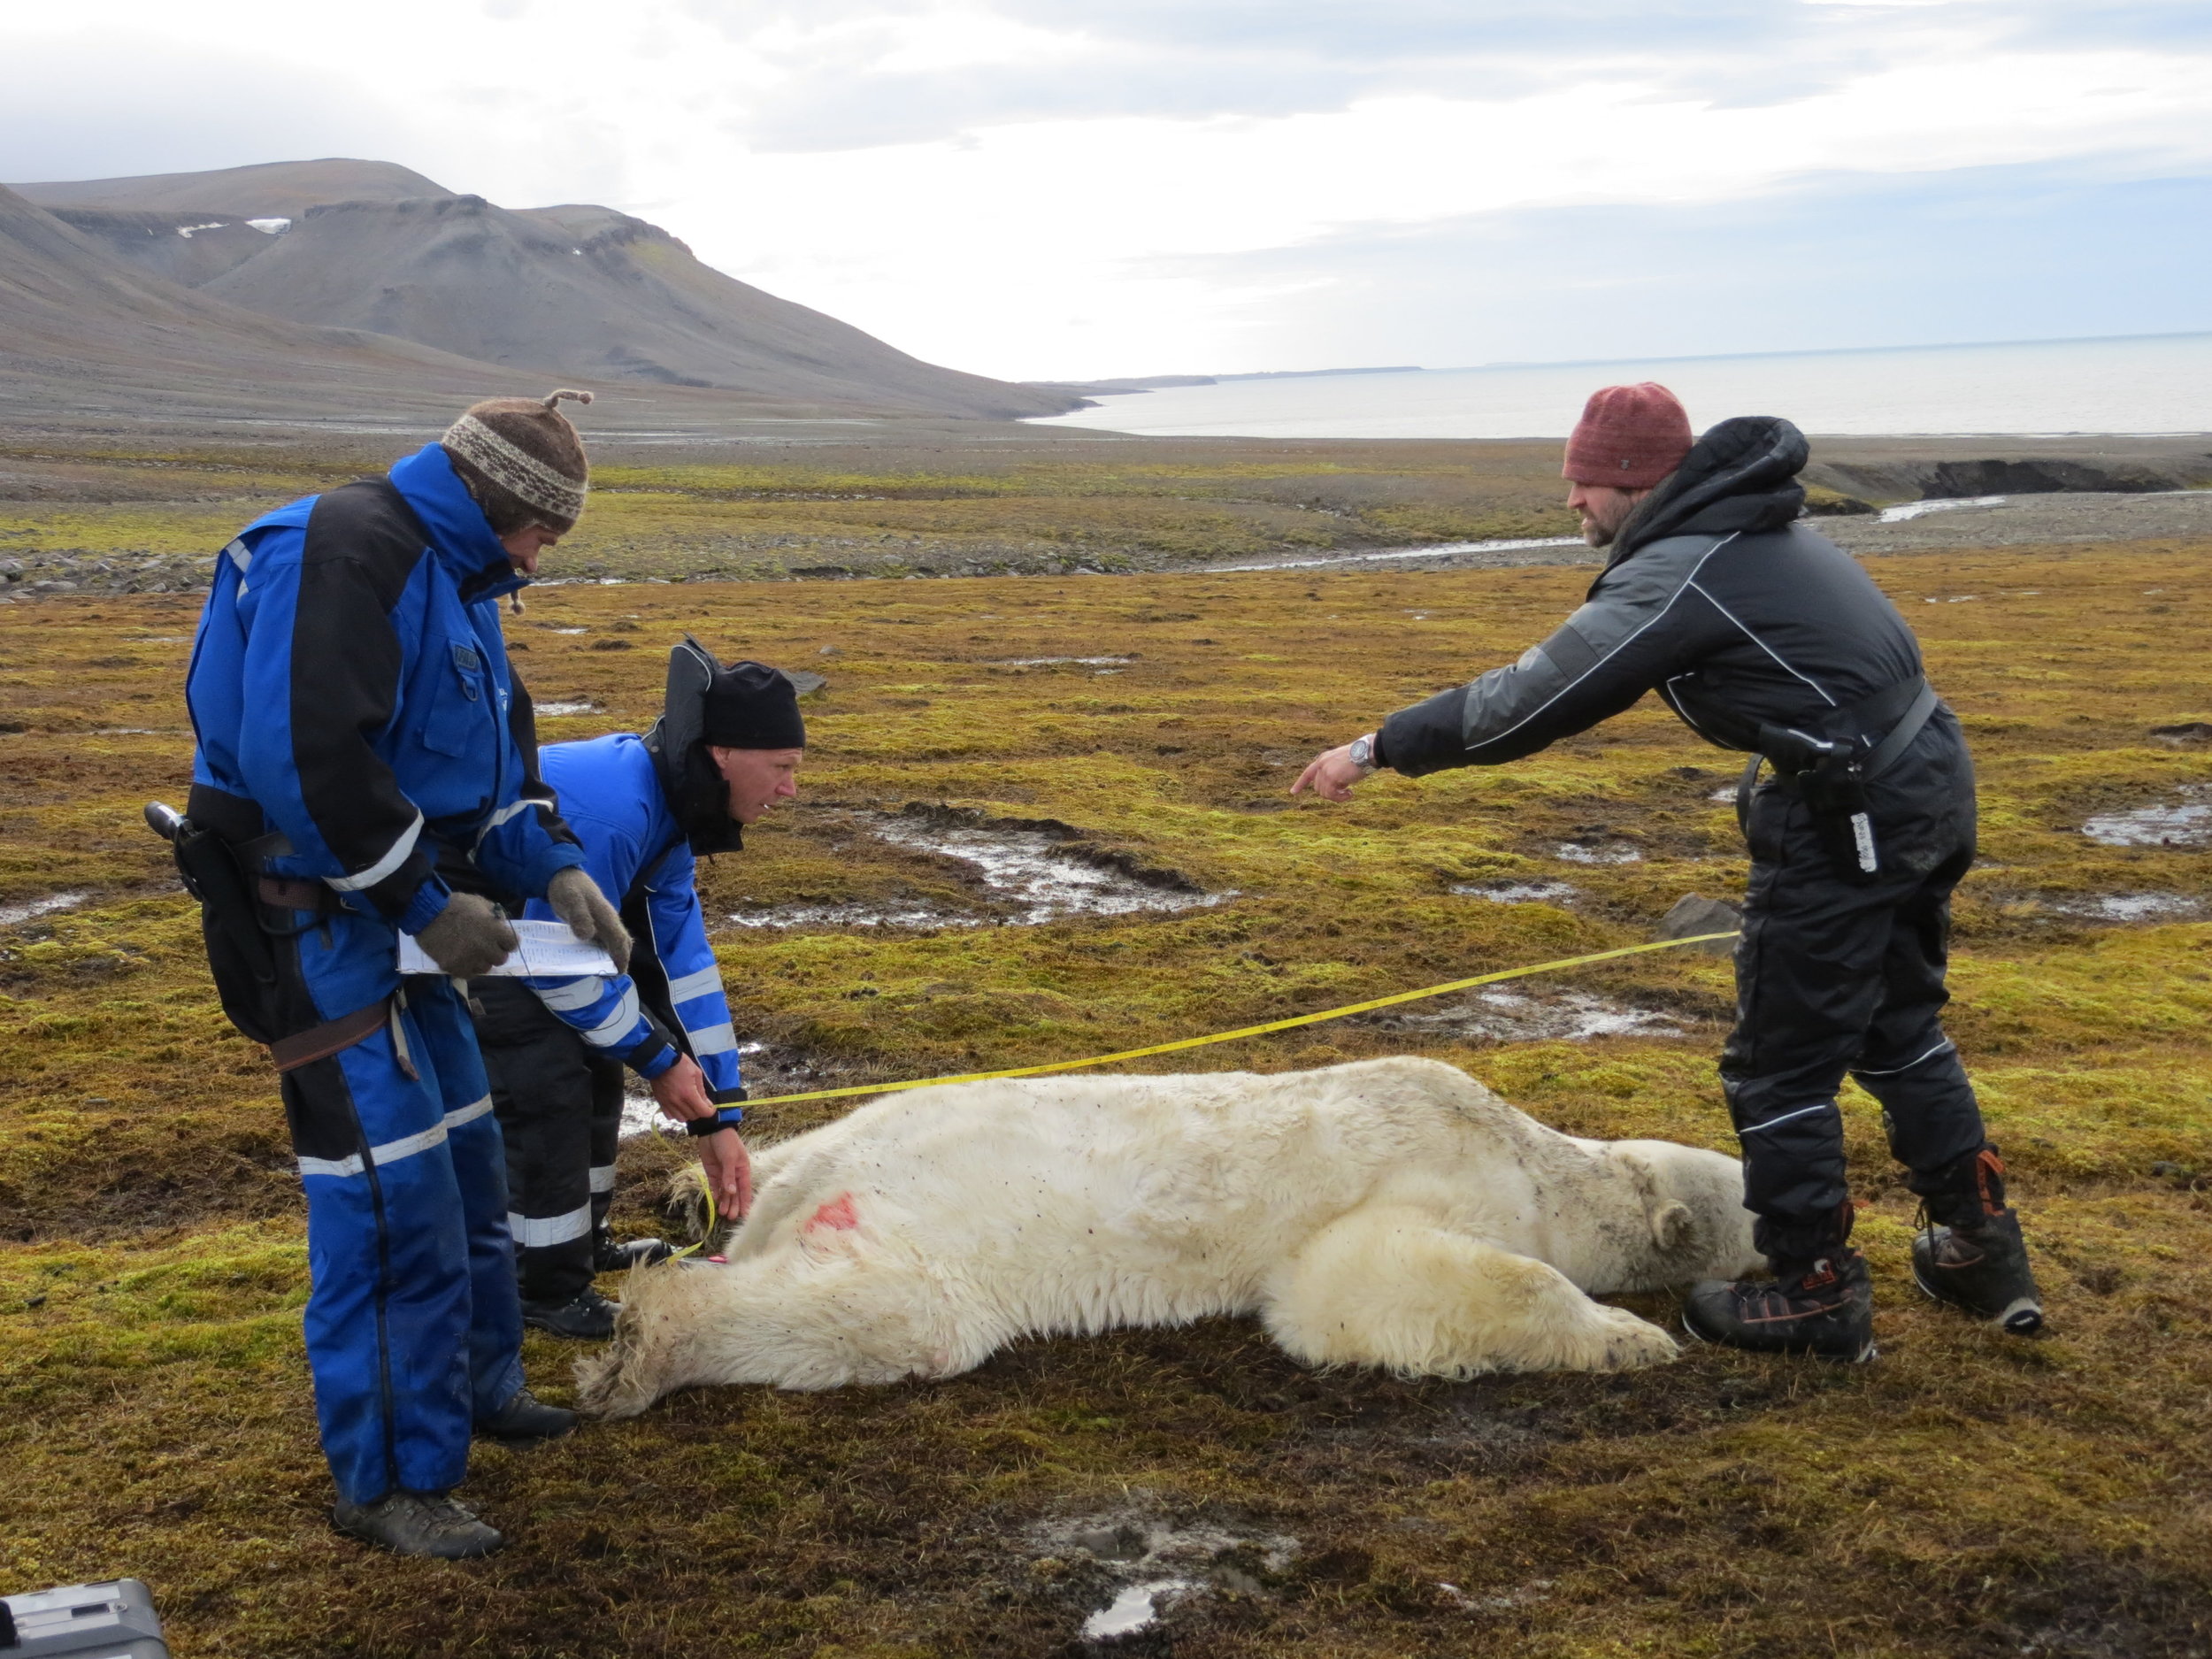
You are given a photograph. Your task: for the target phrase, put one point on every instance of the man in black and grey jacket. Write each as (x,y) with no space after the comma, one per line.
(1765,636)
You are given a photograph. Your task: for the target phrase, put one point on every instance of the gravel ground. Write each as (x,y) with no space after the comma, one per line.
(2012,521)
(2009,522)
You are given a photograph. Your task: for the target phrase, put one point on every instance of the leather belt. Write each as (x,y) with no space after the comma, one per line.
(289,892)
(319,1042)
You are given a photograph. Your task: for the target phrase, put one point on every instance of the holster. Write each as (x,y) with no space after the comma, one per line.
(219,847)
(1830,773)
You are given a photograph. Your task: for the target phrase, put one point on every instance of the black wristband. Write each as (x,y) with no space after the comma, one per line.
(699,1126)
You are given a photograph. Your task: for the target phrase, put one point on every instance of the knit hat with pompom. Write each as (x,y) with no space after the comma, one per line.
(522,460)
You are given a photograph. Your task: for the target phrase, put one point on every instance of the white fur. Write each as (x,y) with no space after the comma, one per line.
(1389,1212)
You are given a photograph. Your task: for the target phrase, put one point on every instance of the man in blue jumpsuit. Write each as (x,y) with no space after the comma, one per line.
(726,750)
(350,693)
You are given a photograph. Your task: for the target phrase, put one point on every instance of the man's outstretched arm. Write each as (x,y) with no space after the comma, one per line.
(1647,620)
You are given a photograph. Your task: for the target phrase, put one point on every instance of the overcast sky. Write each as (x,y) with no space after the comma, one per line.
(1039,188)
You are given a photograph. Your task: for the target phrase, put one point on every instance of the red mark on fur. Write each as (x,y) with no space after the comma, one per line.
(837,1215)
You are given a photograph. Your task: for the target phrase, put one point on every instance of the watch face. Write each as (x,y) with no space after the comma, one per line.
(1363,752)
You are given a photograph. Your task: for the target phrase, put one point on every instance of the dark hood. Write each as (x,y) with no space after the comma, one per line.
(1740,477)
(693,787)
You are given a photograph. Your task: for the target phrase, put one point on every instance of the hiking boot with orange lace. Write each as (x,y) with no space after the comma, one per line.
(1824,1306)
(1968,1252)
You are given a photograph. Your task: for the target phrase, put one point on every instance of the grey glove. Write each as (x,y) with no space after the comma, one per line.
(576,899)
(469,937)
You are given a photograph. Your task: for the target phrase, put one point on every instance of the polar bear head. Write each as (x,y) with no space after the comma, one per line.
(1693,1203)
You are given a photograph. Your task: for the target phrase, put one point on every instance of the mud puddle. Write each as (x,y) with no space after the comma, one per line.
(1025,871)
(2129,907)
(1519,891)
(1598,853)
(1049,662)
(893,914)
(2184,823)
(1133,1568)
(1521,1017)
(30,909)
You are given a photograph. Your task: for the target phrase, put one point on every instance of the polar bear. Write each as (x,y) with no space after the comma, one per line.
(1392,1212)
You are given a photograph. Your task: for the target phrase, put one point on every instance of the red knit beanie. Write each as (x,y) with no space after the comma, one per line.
(1629,437)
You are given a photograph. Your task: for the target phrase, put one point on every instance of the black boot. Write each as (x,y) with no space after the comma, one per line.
(609,1257)
(588,1316)
(525,1418)
(1820,1300)
(1823,1307)
(1969,1252)
(418,1523)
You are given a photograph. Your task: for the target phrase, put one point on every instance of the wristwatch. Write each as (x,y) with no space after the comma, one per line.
(1363,752)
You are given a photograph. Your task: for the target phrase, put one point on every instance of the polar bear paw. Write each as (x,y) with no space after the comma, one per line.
(1625,1342)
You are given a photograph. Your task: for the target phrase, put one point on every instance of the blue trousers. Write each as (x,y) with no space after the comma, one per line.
(414,1331)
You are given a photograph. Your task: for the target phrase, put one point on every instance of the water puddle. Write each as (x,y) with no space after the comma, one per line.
(1598,853)
(1519,892)
(1136,1608)
(1448,549)
(2185,823)
(555,710)
(1148,1564)
(1517,1016)
(893,914)
(1033,871)
(1045,871)
(32,909)
(2129,907)
(1047,662)
(1949,504)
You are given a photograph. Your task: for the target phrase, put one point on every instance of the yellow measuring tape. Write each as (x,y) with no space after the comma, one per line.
(1181,1043)
(1248,1031)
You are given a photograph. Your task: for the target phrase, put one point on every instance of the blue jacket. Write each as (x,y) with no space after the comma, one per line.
(610,791)
(349,676)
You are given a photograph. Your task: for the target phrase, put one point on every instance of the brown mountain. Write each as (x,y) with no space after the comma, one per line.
(578,292)
(83,334)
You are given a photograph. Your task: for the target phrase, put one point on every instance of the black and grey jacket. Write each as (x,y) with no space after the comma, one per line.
(1716,597)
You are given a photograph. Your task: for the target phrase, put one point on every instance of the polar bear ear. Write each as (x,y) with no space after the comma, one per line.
(1672,1226)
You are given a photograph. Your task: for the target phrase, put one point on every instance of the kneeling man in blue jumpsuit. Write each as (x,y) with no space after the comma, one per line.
(350,693)
(726,748)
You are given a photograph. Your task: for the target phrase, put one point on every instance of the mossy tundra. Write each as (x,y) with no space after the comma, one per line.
(1967,1494)
(126,519)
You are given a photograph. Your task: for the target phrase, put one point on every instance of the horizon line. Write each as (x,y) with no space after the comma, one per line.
(1687,357)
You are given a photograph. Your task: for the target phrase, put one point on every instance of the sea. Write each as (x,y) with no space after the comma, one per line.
(2144,384)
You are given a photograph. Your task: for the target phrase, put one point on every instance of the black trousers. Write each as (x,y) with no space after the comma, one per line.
(559,1106)
(1836,976)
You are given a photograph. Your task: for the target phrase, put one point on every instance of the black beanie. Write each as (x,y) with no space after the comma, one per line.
(750,705)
